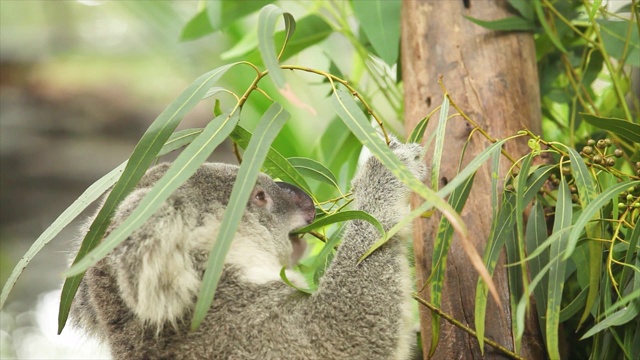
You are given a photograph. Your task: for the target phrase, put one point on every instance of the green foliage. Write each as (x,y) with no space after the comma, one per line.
(582,175)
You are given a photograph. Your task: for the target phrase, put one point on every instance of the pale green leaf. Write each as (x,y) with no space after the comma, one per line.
(144,153)
(267,129)
(181,169)
(380,21)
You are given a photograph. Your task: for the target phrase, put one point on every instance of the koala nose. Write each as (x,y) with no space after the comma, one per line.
(301,201)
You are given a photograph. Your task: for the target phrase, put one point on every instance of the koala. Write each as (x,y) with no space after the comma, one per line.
(140,298)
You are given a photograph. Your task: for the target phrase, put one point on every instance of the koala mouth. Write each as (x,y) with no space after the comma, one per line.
(299,247)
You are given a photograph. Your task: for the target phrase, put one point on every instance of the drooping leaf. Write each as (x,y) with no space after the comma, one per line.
(380,21)
(144,153)
(620,127)
(283,276)
(562,220)
(275,164)
(511,23)
(587,213)
(180,171)
(90,195)
(313,169)
(197,27)
(340,217)
(418,130)
(266,26)
(501,229)
(267,129)
(439,147)
(536,234)
(524,7)
(537,6)
(618,318)
(441,245)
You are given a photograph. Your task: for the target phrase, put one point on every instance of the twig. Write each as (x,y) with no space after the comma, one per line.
(465,328)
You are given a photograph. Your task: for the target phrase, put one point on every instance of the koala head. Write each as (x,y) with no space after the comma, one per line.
(273,211)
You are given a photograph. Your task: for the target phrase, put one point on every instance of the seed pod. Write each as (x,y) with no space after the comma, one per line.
(587,150)
(591,142)
(618,153)
(601,144)
(566,170)
(607,142)
(610,161)
(597,159)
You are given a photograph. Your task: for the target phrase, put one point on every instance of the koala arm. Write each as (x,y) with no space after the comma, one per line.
(156,277)
(368,304)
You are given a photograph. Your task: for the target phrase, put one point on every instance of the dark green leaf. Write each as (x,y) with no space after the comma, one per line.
(418,130)
(524,8)
(222,13)
(441,245)
(562,220)
(537,6)
(512,23)
(275,164)
(620,127)
(197,27)
(313,169)
(340,217)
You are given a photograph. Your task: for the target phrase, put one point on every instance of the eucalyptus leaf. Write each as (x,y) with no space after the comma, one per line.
(144,153)
(620,127)
(562,220)
(267,129)
(511,23)
(380,21)
(181,169)
(266,26)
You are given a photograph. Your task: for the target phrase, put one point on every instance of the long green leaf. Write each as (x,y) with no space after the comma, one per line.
(537,6)
(180,171)
(536,234)
(511,23)
(92,193)
(340,217)
(275,164)
(501,229)
(618,318)
(634,238)
(587,213)
(564,214)
(620,127)
(314,170)
(266,131)
(418,131)
(380,21)
(437,151)
(145,151)
(266,25)
(441,245)
(587,191)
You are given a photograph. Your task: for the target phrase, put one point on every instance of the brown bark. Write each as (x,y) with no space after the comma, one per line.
(492,76)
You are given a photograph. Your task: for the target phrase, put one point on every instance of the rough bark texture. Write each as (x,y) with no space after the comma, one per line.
(493,78)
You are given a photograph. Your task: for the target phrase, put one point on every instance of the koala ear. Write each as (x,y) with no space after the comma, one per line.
(301,200)
(260,198)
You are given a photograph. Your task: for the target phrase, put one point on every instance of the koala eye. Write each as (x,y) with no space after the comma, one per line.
(260,198)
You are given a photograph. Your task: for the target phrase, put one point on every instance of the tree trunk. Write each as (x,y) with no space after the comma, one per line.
(492,76)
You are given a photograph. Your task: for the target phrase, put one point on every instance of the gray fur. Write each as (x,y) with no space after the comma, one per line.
(140,298)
